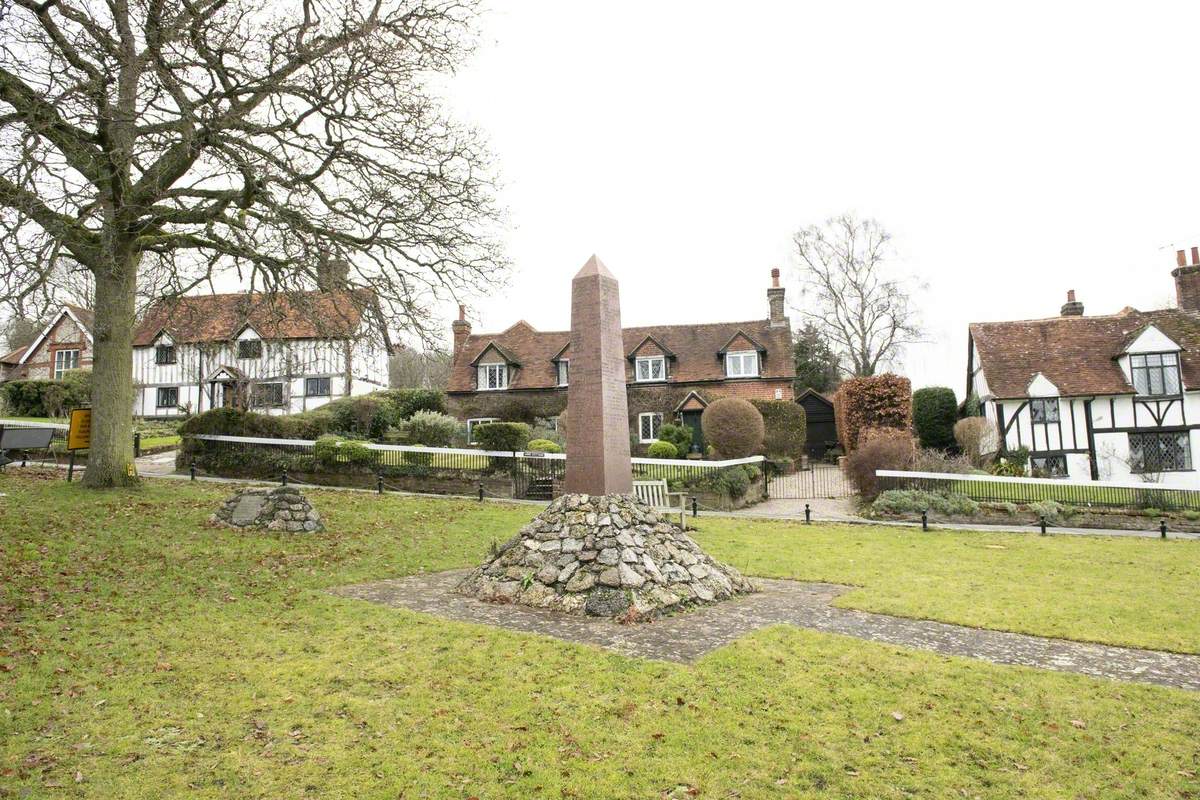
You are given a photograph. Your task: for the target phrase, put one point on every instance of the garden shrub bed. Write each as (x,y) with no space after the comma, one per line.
(948,508)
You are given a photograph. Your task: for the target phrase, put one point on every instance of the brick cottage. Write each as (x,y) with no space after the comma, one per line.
(63,345)
(672,371)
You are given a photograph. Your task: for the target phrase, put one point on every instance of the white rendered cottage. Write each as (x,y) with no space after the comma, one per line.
(1101,397)
(274,355)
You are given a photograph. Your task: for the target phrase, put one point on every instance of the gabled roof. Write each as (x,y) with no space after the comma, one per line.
(504,353)
(666,351)
(221,317)
(82,317)
(810,392)
(694,346)
(13,358)
(1078,354)
(725,347)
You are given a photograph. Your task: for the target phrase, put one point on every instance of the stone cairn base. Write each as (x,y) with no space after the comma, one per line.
(283,508)
(608,556)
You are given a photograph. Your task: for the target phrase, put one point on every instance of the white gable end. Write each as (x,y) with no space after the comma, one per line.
(1041,386)
(1152,340)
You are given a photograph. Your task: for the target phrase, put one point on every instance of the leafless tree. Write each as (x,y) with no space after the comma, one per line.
(849,293)
(182,143)
(410,368)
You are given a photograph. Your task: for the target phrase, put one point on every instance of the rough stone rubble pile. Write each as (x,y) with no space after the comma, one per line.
(610,555)
(282,508)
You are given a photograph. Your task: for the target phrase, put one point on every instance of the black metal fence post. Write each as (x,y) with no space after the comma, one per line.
(284,476)
(137,444)
(1162,528)
(481,491)
(925,520)
(695,508)
(807,514)
(379,482)
(192,470)
(1042,524)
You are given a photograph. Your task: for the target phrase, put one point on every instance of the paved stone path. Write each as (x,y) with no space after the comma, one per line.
(686,637)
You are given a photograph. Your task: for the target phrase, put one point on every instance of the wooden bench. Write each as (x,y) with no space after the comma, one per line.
(22,439)
(656,495)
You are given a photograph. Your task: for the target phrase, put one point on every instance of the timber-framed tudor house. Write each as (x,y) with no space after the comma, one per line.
(1113,397)
(672,371)
(272,354)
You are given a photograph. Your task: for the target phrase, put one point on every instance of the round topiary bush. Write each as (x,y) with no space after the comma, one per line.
(935,410)
(432,428)
(734,427)
(661,449)
(543,446)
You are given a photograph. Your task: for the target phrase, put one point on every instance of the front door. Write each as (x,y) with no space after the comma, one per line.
(692,420)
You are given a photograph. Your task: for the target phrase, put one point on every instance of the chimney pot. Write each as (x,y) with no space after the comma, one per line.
(1196,256)
(1070,295)
(1181,258)
(462,312)
(775,277)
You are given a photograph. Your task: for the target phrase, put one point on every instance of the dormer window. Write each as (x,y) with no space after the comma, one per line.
(1043,410)
(741,364)
(493,377)
(164,354)
(1155,374)
(563,368)
(250,348)
(650,368)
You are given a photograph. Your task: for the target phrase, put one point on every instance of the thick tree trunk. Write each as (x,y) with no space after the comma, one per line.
(110,457)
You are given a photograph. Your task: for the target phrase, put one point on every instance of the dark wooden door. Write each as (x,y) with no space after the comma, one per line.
(692,420)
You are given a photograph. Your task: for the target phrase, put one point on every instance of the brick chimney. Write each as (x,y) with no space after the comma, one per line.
(775,300)
(1187,280)
(461,328)
(1072,308)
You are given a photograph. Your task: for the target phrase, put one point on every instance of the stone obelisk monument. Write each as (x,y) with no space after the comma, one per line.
(597,408)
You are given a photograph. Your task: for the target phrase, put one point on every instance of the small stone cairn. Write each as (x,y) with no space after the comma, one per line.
(608,556)
(282,508)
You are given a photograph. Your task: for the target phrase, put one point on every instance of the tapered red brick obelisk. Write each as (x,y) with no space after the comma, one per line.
(597,408)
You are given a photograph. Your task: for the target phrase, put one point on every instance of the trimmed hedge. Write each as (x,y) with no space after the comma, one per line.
(543,446)
(406,402)
(662,449)
(42,398)
(877,401)
(935,410)
(502,435)
(733,426)
(785,425)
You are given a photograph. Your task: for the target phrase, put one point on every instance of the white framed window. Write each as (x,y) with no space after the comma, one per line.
(741,364)
(650,368)
(167,397)
(64,361)
(648,425)
(564,368)
(316,387)
(471,423)
(493,377)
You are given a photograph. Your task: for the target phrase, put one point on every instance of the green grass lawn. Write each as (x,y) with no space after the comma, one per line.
(145,655)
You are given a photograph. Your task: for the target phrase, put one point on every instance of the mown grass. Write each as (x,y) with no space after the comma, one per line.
(146,655)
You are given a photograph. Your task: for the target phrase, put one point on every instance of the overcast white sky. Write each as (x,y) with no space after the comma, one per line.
(1015,151)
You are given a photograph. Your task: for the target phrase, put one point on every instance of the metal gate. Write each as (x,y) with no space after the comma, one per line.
(821,480)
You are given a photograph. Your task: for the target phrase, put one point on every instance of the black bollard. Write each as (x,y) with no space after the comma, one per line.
(925,520)
(137,444)
(695,510)
(285,476)
(807,514)
(379,483)
(192,470)
(1043,524)
(481,491)
(1162,528)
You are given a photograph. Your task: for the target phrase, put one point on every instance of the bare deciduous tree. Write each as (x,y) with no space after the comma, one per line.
(179,143)
(865,312)
(418,369)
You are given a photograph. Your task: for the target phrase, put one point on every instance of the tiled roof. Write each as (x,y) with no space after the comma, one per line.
(695,348)
(220,317)
(1078,354)
(13,358)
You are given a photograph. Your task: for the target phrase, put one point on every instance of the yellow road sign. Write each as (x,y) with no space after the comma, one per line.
(79,434)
